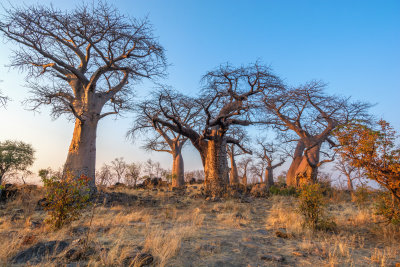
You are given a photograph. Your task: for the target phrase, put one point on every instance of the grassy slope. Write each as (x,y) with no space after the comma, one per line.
(190,231)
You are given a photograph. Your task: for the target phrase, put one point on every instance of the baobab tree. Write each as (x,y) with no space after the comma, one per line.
(80,63)
(312,115)
(228,98)
(243,167)
(257,170)
(233,173)
(234,151)
(350,172)
(268,152)
(160,137)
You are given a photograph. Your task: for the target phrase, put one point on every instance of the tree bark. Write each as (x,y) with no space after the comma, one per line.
(81,157)
(234,176)
(349,184)
(178,171)
(216,165)
(269,176)
(297,158)
(307,171)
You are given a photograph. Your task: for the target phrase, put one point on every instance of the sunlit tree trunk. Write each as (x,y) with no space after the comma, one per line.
(350,184)
(307,171)
(81,157)
(216,165)
(297,158)
(234,176)
(178,171)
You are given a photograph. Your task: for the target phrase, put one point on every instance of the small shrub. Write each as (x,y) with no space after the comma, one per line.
(388,207)
(65,198)
(326,188)
(311,204)
(283,191)
(339,195)
(326,224)
(361,196)
(312,208)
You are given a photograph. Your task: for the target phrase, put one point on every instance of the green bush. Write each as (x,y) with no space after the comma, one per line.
(388,207)
(65,198)
(312,207)
(283,191)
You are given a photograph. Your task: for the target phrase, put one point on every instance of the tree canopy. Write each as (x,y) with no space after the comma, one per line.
(14,156)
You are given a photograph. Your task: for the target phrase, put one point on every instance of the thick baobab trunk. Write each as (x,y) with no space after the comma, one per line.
(269,177)
(216,166)
(81,157)
(307,171)
(297,157)
(234,176)
(178,171)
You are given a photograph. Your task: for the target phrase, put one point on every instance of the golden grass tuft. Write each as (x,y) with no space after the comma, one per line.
(164,244)
(283,215)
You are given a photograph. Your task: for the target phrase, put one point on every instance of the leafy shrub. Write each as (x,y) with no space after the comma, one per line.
(283,191)
(65,198)
(361,196)
(388,207)
(326,224)
(325,183)
(312,208)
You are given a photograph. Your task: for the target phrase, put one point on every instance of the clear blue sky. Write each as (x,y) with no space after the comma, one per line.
(352,45)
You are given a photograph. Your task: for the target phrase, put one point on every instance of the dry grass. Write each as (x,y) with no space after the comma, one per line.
(188,231)
(283,215)
(164,244)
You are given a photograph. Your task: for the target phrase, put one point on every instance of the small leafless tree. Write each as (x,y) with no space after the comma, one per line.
(350,172)
(80,62)
(228,98)
(243,167)
(148,168)
(119,167)
(160,137)
(104,175)
(234,151)
(257,170)
(312,115)
(269,152)
(158,170)
(3,99)
(19,176)
(198,175)
(132,174)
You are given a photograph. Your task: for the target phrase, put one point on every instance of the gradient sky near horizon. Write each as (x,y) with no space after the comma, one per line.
(351,45)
